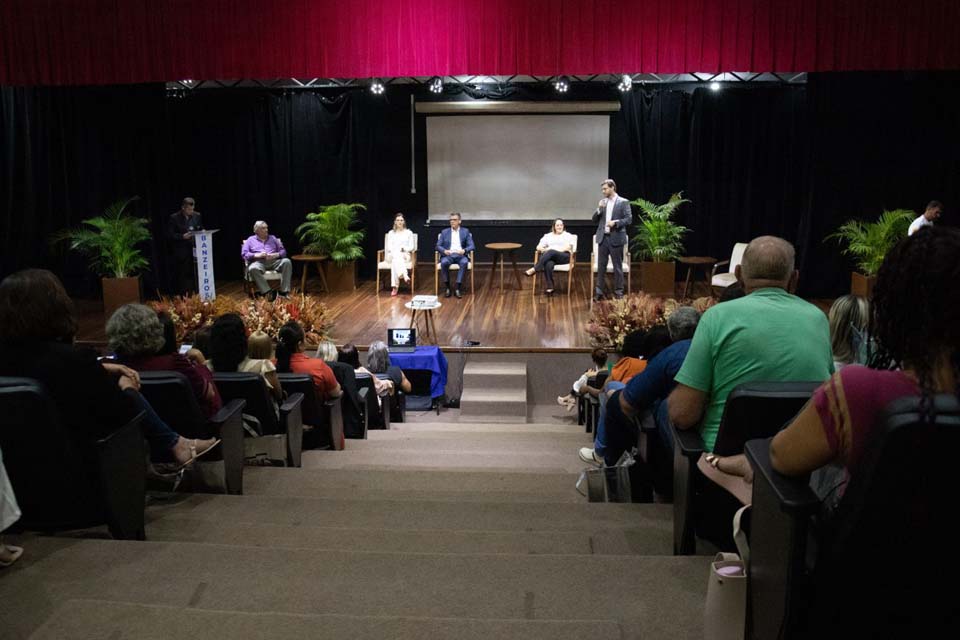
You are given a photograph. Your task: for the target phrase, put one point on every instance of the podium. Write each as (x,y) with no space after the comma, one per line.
(203,251)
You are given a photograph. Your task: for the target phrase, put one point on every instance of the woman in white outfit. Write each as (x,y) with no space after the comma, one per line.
(554,248)
(398,250)
(9,513)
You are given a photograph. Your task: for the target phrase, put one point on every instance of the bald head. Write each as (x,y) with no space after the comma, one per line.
(767,262)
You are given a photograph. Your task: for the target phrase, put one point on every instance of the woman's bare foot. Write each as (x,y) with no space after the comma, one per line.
(530,271)
(9,554)
(186,451)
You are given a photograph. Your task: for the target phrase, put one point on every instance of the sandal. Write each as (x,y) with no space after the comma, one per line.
(9,554)
(194,453)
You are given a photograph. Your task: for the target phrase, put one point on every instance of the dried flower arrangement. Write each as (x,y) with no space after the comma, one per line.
(611,320)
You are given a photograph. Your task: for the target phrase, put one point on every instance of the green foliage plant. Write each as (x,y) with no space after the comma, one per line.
(868,242)
(328,232)
(110,241)
(658,238)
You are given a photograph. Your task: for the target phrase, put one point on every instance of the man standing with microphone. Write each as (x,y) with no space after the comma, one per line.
(612,216)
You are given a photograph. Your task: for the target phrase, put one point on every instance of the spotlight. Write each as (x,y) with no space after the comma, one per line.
(561,84)
(626,83)
(376,87)
(435,85)
(715,86)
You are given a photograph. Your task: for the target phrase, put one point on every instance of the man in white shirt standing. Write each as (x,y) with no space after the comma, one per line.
(612,216)
(931,213)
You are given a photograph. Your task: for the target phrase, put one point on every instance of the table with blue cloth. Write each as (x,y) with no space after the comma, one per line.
(428,358)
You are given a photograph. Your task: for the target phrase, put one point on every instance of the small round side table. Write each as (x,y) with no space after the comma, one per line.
(499,249)
(307,260)
(694,262)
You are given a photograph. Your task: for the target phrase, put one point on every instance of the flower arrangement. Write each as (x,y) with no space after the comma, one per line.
(611,320)
(190,313)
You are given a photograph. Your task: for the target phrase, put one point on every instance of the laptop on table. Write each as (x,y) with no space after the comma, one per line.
(402,340)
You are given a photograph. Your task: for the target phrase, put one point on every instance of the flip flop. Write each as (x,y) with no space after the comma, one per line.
(9,554)
(194,454)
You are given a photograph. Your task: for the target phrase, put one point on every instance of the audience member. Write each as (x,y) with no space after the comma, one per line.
(136,336)
(349,354)
(200,348)
(9,514)
(647,391)
(915,319)
(292,359)
(848,324)
(347,378)
(631,363)
(599,358)
(169,334)
(94,399)
(229,351)
(378,361)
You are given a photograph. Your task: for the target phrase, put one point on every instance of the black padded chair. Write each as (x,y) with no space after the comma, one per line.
(63,481)
(350,403)
(280,439)
(880,566)
(170,395)
(397,402)
(590,404)
(325,416)
(374,416)
(753,410)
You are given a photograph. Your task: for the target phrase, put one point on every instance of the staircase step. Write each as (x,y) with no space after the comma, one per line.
(500,460)
(104,619)
(479,442)
(466,426)
(391,484)
(505,376)
(648,596)
(494,402)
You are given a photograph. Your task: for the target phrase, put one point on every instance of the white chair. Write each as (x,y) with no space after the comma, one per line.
(453,267)
(272,277)
(383,265)
(720,281)
(560,267)
(593,268)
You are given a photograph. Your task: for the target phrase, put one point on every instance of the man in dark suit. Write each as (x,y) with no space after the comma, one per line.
(179,227)
(612,216)
(454,244)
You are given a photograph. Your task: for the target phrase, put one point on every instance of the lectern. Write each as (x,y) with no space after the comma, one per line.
(203,251)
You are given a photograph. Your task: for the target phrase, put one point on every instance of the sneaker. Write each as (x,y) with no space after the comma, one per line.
(530,271)
(588,455)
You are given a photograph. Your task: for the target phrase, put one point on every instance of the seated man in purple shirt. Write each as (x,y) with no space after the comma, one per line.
(263,251)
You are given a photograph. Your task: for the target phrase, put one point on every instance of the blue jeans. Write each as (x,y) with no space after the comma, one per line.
(600,445)
(160,437)
(445,262)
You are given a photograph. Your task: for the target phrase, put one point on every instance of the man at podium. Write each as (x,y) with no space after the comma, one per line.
(263,252)
(179,228)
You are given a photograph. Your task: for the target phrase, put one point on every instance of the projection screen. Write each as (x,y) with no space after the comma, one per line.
(516,167)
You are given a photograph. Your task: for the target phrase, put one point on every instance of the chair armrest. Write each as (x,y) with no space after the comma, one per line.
(536,255)
(380,253)
(436,258)
(291,417)
(689,442)
(122,462)
(229,423)
(334,407)
(365,407)
(792,493)
(713,271)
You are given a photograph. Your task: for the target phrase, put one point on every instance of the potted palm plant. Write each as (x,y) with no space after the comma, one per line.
(328,233)
(657,243)
(110,242)
(868,243)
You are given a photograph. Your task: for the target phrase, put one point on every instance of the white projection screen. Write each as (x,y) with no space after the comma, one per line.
(516,167)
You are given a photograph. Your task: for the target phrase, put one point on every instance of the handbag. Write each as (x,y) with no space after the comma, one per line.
(725,613)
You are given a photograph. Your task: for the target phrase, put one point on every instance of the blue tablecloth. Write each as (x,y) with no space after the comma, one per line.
(429,358)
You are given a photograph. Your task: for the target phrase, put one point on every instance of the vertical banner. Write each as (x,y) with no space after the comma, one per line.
(203,242)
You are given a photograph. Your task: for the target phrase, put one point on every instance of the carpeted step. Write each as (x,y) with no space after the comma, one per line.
(466,442)
(105,619)
(648,596)
(481,404)
(504,376)
(503,459)
(465,426)
(391,484)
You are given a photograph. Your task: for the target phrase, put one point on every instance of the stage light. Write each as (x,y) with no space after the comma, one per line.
(626,83)
(561,84)
(715,86)
(435,85)
(376,87)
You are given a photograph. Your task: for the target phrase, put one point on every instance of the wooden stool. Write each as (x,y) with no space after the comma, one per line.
(693,262)
(307,260)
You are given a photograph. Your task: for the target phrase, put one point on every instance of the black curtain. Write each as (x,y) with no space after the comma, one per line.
(795,161)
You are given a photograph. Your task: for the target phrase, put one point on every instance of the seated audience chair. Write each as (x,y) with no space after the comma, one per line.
(398,402)
(383,265)
(272,277)
(753,410)
(63,482)
(560,268)
(325,416)
(879,566)
(453,267)
(170,395)
(376,408)
(721,280)
(351,405)
(280,440)
(589,406)
(609,270)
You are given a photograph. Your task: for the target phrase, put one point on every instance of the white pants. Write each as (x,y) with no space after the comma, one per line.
(399,264)
(578,385)
(9,511)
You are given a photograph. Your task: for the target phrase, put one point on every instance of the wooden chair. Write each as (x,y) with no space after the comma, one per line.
(568,268)
(721,280)
(453,267)
(609,269)
(383,265)
(272,276)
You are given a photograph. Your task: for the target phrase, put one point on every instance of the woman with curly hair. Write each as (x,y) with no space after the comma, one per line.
(914,323)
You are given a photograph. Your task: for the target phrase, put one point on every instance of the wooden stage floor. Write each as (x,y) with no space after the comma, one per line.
(512,320)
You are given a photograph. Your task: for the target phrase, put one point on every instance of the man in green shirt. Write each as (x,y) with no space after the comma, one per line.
(769,335)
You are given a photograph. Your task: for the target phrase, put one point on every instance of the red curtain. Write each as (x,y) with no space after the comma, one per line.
(123,41)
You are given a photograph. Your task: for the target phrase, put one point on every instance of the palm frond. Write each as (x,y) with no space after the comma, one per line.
(110,241)
(327,232)
(658,238)
(869,242)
